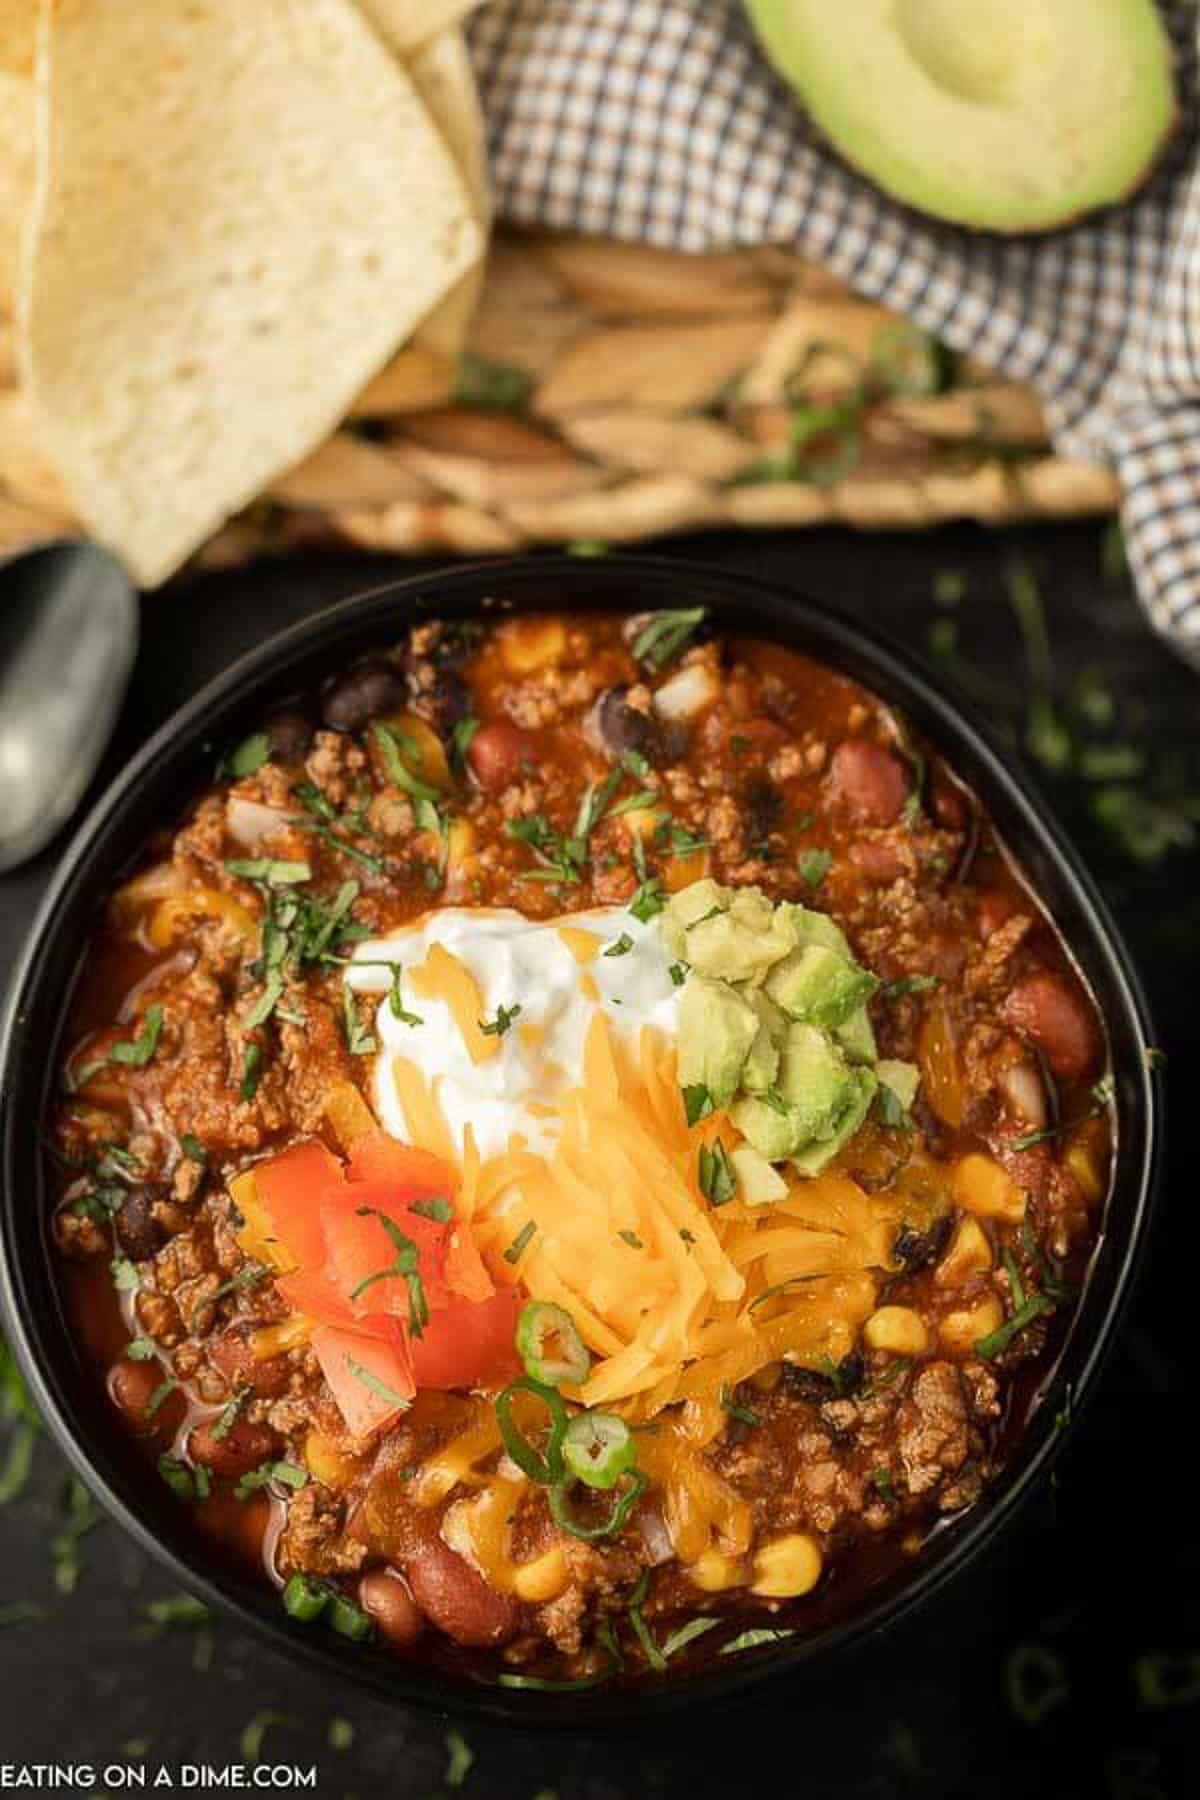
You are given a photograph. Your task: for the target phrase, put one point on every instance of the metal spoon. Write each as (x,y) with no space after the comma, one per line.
(68,637)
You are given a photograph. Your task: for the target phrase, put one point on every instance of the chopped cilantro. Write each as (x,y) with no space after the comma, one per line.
(814,866)
(717,1175)
(502,1022)
(249,756)
(513,1253)
(665,635)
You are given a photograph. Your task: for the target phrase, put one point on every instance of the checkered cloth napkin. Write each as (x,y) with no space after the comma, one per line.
(660,120)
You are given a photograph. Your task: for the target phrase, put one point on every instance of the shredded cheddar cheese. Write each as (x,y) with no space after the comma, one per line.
(443,976)
(675,1298)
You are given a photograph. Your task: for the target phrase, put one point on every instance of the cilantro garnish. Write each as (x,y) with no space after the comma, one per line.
(665,635)
(717,1175)
(502,1022)
(406,1266)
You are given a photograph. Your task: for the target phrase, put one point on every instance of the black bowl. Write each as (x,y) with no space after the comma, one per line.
(179,760)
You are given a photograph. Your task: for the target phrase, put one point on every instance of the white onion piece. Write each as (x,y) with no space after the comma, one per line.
(687,693)
(656,1538)
(154,883)
(1022,1087)
(250,821)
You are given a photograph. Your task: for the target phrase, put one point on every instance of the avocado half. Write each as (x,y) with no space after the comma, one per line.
(1004,115)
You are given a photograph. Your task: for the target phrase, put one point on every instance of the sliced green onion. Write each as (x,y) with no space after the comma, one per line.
(549,1344)
(305,1599)
(598,1448)
(347,1619)
(545,1469)
(641,1631)
(561,1513)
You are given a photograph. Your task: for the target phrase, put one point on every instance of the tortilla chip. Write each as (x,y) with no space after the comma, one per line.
(242,211)
(407,24)
(16,179)
(446,83)
(18,35)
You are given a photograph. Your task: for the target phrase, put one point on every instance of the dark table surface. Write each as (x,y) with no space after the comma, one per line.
(1069,1664)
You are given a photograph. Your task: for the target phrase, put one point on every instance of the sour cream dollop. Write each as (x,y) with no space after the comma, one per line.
(515,962)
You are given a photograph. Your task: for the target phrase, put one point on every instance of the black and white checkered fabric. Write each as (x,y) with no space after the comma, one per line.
(659,120)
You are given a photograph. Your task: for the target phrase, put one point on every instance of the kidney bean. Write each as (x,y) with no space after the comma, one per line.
(131,1386)
(497,754)
(457,1599)
(383,1595)
(441,696)
(289,735)
(917,1249)
(363,693)
(138,1231)
(762,811)
(880,861)
(237,1362)
(1055,1015)
(242,1448)
(869,782)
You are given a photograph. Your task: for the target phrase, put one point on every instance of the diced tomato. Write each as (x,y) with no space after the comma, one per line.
(359,1246)
(369,1376)
(469,1343)
(289,1188)
(312,1293)
(378,1157)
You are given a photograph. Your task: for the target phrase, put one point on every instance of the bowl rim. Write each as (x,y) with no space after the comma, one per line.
(829,635)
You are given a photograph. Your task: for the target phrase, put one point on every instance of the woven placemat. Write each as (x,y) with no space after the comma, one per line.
(612,392)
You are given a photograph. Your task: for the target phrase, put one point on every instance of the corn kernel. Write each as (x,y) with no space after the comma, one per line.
(642,822)
(421,749)
(788,1567)
(969,1253)
(326,1463)
(542,1579)
(460,842)
(1081,1163)
(961,1330)
(981,1186)
(714,1572)
(527,645)
(898,1329)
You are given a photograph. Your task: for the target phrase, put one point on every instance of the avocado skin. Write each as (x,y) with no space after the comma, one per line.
(1108,137)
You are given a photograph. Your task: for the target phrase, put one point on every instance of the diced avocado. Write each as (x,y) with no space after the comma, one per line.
(904,1078)
(813,1079)
(1002,115)
(758,1183)
(716,1030)
(856,1103)
(772,1127)
(814,927)
(735,948)
(857,1037)
(762,1064)
(819,986)
(686,908)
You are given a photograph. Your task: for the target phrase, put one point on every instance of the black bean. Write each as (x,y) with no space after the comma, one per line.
(138,1231)
(762,811)
(352,700)
(917,1249)
(289,735)
(439,695)
(838,1383)
(623,727)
